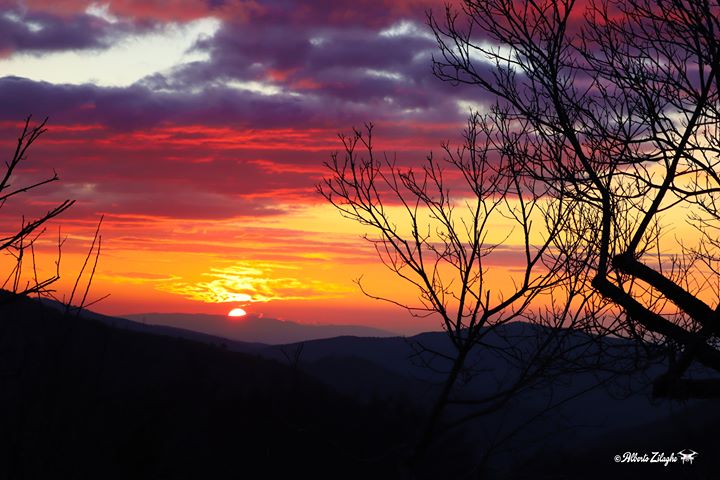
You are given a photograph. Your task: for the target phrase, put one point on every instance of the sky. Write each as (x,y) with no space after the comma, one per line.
(199,130)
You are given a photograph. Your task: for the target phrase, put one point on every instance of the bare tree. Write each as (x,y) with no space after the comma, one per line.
(20,242)
(432,227)
(621,99)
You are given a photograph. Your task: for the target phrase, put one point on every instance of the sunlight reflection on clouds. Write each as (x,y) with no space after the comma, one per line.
(262,282)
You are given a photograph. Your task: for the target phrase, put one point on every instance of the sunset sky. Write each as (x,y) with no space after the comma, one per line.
(199,130)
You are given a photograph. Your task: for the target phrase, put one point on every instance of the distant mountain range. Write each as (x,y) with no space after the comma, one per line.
(255,329)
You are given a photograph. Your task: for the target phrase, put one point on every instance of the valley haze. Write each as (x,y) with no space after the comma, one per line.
(253,328)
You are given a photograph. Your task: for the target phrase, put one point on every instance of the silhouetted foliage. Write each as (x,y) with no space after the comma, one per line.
(619,102)
(433,227)
(80,399)
(601,124)
(20,242)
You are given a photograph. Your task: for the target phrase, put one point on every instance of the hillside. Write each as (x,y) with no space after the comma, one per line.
(98,394)
(80,399)
(578,439)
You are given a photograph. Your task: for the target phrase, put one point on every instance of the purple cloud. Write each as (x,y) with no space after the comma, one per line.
(37,31)
(322,76)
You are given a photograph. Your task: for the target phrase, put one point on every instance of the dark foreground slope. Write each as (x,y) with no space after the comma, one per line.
(628,453)
(577,439)
(79,399)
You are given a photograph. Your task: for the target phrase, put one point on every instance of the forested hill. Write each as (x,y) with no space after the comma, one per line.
(80,399)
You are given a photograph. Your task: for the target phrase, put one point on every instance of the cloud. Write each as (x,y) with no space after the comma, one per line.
(42,32)
(138,107)
(326,63)
(246,125)
(215,152)
(251,283)
(136,277)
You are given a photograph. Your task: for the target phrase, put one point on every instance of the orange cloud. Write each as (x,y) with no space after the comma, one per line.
(251,283)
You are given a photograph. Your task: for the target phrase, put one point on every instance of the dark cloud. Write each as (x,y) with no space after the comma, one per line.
(137,107)
(327,63)
(343,100)
(293,13)
(382,66)
(37,31)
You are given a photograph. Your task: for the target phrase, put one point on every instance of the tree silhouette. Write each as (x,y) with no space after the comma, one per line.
(619,101)
(21,240)
(598,138)
(433,229)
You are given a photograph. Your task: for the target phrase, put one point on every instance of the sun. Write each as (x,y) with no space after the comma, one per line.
(237,312)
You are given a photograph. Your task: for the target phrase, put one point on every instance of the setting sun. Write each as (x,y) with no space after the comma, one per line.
(237,312)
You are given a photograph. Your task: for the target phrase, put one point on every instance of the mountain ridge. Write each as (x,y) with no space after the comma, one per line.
(256,329)
(382,369)
(80,398)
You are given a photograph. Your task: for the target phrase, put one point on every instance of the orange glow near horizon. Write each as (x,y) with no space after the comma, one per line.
(299,264)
